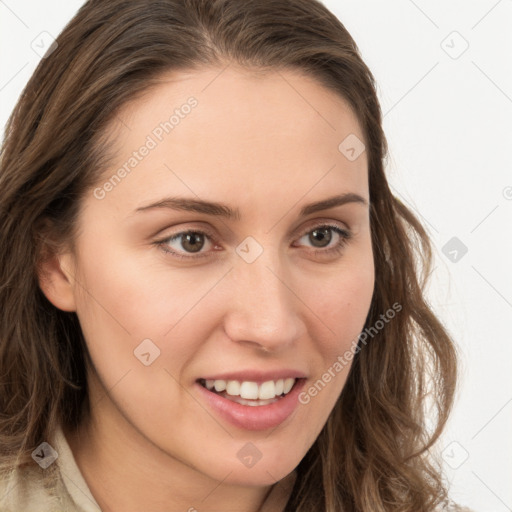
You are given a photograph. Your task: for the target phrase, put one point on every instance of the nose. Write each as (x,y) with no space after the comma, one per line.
(263,310)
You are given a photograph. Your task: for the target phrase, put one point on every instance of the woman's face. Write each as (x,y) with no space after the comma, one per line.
(179,296)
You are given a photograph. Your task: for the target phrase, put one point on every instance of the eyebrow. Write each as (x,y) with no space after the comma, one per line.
(223,210)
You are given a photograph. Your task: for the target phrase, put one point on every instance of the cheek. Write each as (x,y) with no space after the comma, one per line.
(340,304)
(339,307)
(131,292)
(133,297)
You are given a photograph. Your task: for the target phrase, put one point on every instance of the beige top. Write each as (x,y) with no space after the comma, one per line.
(60,487)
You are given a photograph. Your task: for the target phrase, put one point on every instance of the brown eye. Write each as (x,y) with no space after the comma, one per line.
(186,242)
(192,242)
(326,240)
(321,237)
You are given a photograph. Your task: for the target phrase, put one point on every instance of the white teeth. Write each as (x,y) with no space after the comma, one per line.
(220,385)
(251,390)
(288,385)
(267,390)
(233,387)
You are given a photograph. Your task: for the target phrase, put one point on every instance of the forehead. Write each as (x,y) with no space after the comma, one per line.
(220,131)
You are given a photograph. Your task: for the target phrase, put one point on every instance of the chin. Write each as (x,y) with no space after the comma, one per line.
(250,470)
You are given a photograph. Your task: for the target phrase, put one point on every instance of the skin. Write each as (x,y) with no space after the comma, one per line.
(260,145)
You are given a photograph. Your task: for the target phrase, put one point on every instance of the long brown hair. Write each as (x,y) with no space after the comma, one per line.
(374,451)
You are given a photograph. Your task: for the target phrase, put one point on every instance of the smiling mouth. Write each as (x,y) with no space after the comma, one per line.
(250,393)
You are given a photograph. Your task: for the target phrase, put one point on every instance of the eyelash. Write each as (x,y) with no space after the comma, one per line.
(344,235)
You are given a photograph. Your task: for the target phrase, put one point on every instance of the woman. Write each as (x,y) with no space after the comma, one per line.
(210,298)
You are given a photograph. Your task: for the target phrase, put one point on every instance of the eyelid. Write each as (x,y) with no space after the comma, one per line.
(317,223)
(190,228)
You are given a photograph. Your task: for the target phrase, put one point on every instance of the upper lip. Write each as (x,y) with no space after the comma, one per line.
(258,376)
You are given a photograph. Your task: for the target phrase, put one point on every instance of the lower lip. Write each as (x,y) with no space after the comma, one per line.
(249,417)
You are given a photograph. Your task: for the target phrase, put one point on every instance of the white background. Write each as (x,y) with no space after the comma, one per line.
(447,116)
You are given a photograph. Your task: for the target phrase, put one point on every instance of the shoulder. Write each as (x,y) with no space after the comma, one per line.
(53,483)
(31,489)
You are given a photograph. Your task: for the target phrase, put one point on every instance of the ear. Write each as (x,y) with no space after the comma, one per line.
(55,279)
